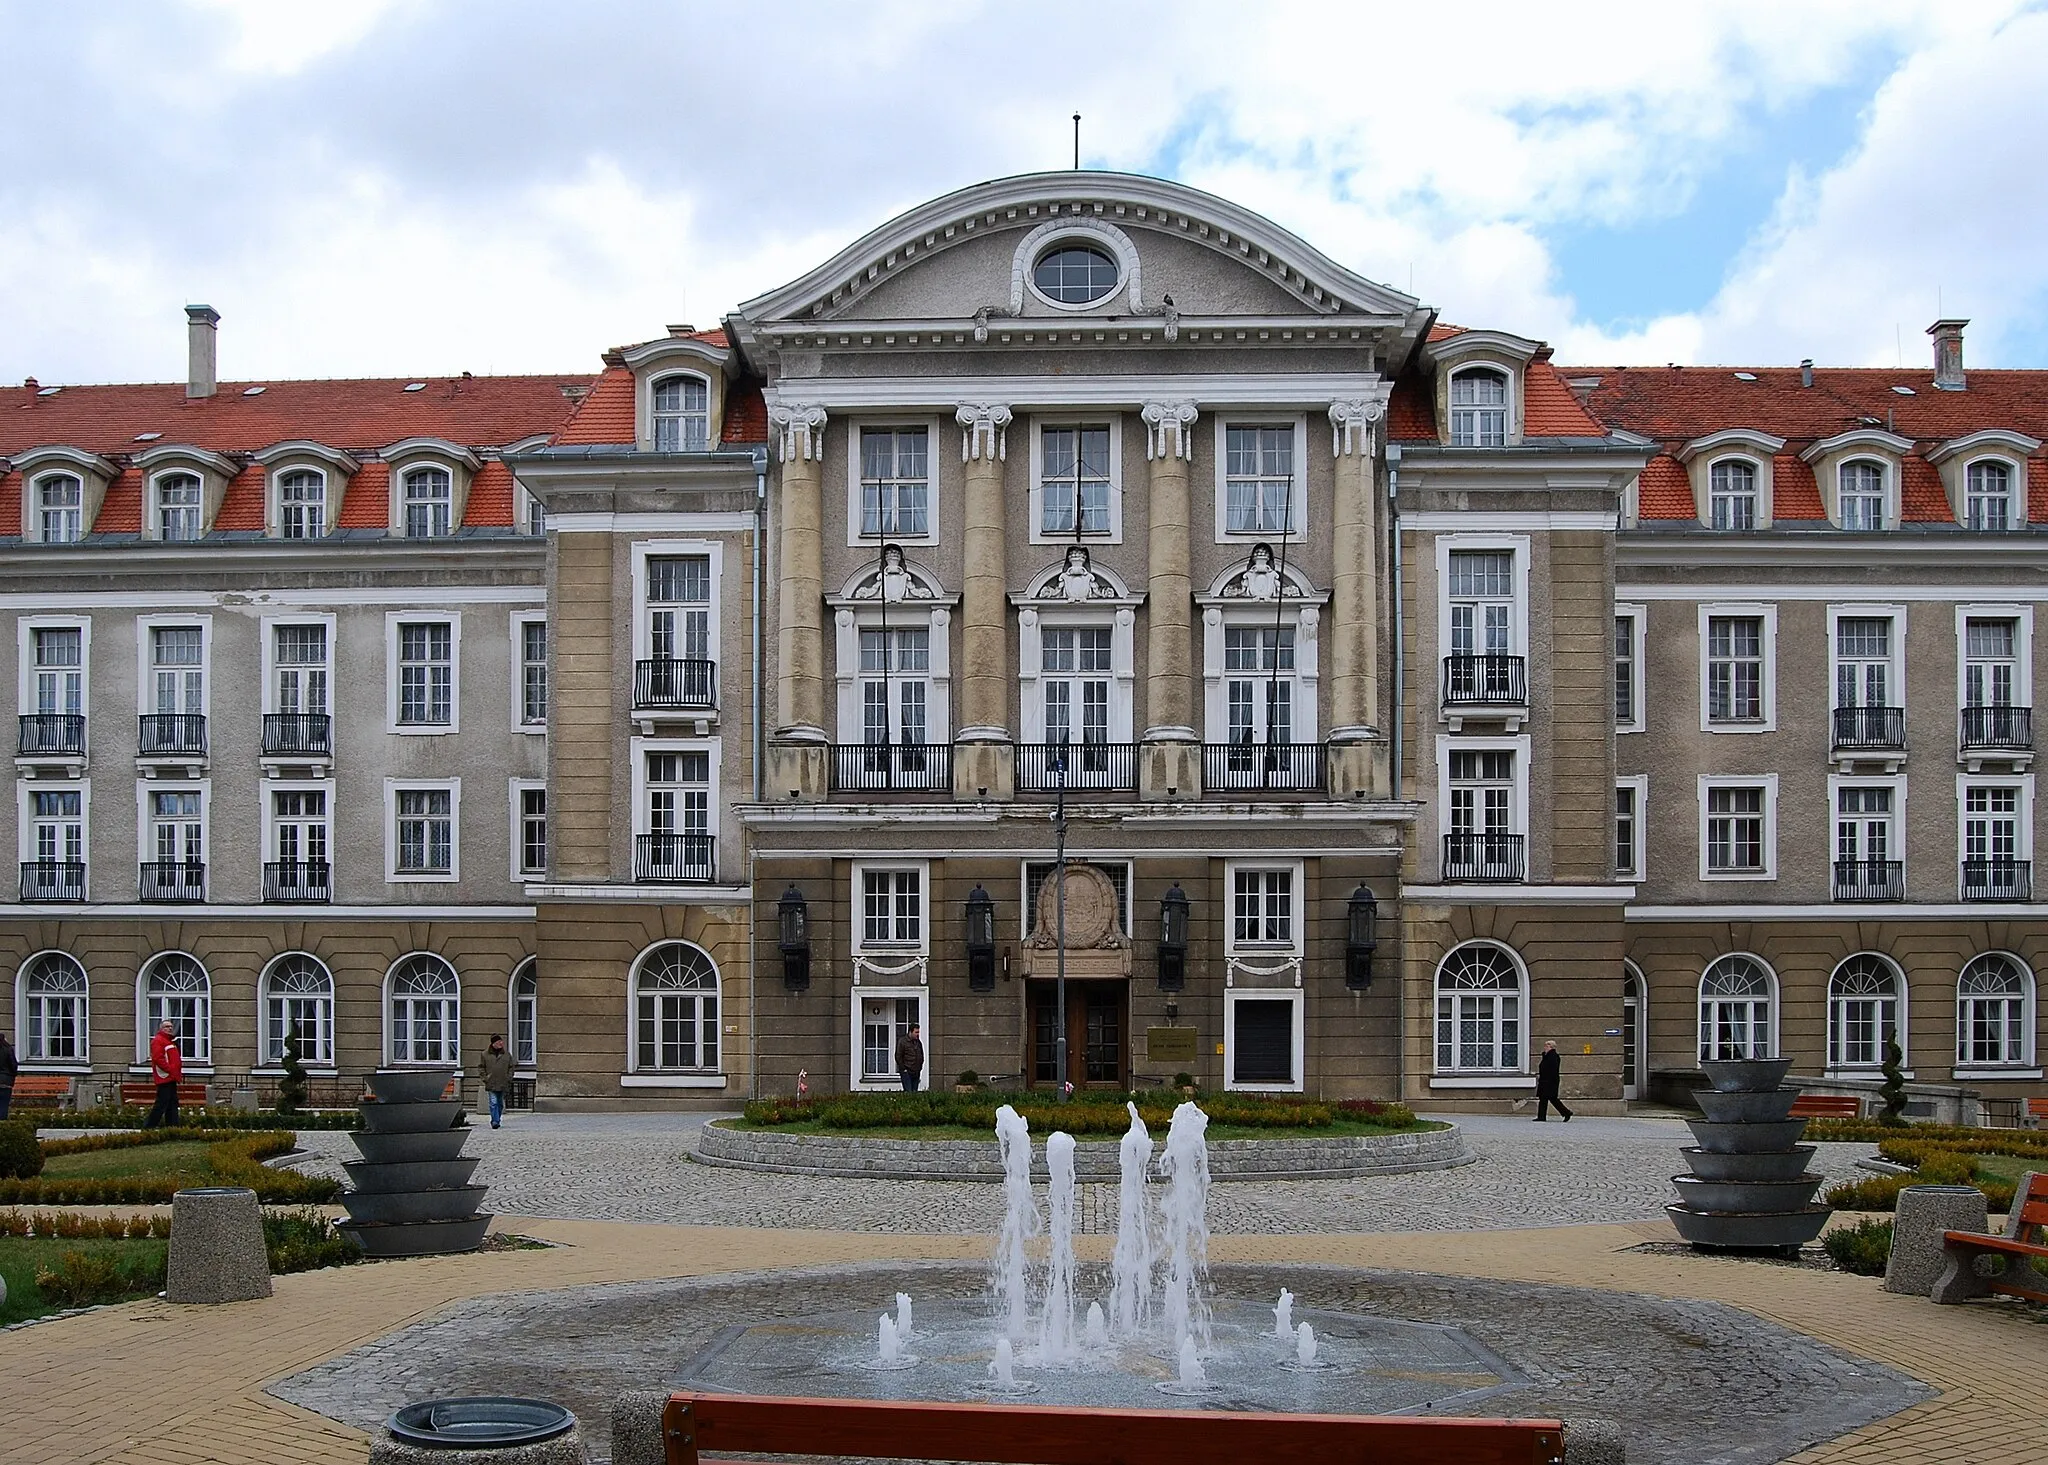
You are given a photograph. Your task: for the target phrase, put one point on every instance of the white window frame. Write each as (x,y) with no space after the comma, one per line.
(392,621)
(2015,491)
(520,620)
(859,942)
(1509,416)
(633,1075)
(145,672)
(857,1080)
(1773,994)
(81,1062)
(1768,782)
(1295,945)
(935,440)
(1639,784)
(1887,492)
(1306,622)
(274,494)
(152,518)
(652,380)
(1760,482)
(197,1065)
(145,848)
(24,817)
(308,786)
(270,625)
(1767,613)
(937,621)
(454,1059)
(32,528)
(1298,510)
(1115,422)
(1294,998)
(1518,615)
(1903,1031)
(1518,799)
(712,748)
(2023,817)
(1519,1076)
(516,789)
(647,549)
(1034,621)
(2027,1064)
(527,1066)
(25,660)
(266,1065)
(1896,838)
(1638,618)
(2022,617)
(1871,611)
(392,788)
(401,489)
(532,513)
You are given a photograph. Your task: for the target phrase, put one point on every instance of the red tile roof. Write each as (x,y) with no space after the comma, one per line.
(366,502)
(1411,411)
(746,415)
(490,497)
(606,415)
(243,506)
(1549,408)
(1794,493)
(121,509)
(1665,492)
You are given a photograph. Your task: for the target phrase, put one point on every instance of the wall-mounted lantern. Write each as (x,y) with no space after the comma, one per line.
(981,941)
(793,923)
(1361,939)
(1173,939)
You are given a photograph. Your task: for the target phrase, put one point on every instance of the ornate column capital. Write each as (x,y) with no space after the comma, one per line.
(984,430)
(1170,427)
(1351,425)
(799,428)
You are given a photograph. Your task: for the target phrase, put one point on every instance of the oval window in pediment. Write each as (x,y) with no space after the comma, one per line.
(1074,274)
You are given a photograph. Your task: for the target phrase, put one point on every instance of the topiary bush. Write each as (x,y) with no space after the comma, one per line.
(21,1158)
(291,1089)
(1864,1248)
(1893,1091)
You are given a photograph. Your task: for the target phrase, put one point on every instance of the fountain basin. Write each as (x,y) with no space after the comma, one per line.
(410,1118)
(458,1204)
(1746,1075)
(416,1238)
(397,1149)
(1745,1196)
(416,1175)
(1769,1107)
(1773,1165)
(1738,1232)
(411,1085)
(1746,1139)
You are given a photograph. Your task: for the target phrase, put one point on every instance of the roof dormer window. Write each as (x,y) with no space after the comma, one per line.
(59,502)
(1987,497)
(302,505)
(1479,408)
(179,503)
(682,414)
(1731,494)
(429,502)
(1861,488)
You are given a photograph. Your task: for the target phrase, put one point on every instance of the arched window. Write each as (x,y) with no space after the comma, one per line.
(525,1014)
(175,989)
(1737,1018)
(298,999)
(426,1011)
(177,506)
(59,505)
(1866,1000)
(1994,1012)
(1479,409)
(682,415)
(675,1010)
(429,503)
(302,505)
(1860,495)
(52,1017)
(1987,496)
(1635,1002)
(1479,992)
(1731,494)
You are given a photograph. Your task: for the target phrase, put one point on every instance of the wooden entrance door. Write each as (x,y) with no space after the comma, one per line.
(1098,1019)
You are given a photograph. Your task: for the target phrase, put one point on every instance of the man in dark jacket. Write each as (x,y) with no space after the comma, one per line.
(910,1058)
(495,1068)
(1546,1084)
(8,1068)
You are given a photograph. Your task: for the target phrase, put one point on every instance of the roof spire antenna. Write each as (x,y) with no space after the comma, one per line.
(1077,142)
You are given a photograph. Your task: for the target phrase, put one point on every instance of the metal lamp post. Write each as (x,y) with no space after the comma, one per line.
(1059,873)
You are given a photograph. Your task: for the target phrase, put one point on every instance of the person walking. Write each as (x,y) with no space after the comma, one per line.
(496,1068)
(9,1066)
(910,1058)
(1546,1084)
(167,1068)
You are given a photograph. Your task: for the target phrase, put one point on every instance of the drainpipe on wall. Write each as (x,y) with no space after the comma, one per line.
(760,773)
(1400,637)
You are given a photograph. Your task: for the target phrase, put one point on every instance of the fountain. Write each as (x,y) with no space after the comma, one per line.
(1131,1265)
(1283,1315)
(889,1352)
(1192,1380)
(1185,1217)
(1002,1372)
(1010,1279)
(904,1330)
(410,1193)
(1748,1188)
(1056,1320)
(1305,1348)
(1098,1330)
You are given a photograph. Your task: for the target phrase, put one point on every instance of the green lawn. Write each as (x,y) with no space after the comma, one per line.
(176,1157)
(2008,1168)
(1340,1127)
(21,1257)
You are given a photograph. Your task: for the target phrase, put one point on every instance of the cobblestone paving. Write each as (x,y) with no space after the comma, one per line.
(635,1167)
(1673,1374)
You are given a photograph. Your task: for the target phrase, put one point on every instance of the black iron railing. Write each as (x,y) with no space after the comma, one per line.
(1986,728)
(1484,856)
(159,733)
(1262,767)
(1870,879)
(1880,728)
(308,734)
(892,768)
(1084,766)
(680,857)
(290,882)
(173,880)
(52,880)
(1998,879)
(52,732)
(1485,681)
(675,685)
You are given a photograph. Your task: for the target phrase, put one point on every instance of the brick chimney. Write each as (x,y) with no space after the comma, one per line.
(1948,354)
(201,322)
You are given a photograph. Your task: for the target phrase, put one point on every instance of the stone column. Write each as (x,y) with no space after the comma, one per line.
(1357,742)
(1171,764)
(985,650)
(798,771)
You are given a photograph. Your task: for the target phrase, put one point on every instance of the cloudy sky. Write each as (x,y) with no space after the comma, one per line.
(390,187)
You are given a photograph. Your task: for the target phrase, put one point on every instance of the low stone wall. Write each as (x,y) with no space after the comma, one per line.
(880,1157)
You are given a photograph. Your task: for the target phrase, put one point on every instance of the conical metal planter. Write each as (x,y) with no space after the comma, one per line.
(1749,1190)
(412,1195)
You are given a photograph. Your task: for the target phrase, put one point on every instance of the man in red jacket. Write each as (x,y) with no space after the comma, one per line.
(166,1066)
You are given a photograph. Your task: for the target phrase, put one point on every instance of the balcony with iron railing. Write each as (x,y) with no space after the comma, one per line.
(298,882)
(298,735)
(1484,857)
(1866,880)
(1263,768)
(1083,767)
(676,858)
(173,881)
(893,768)
(52,734)
(46,881)
(675,686)
(1485,681)
(171,735)
(1998,879)
(1997,730)
(1870,729)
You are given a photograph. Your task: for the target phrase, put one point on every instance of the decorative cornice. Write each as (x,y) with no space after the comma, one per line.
(1169,429)
(984,430)
(1351,425)
(799,428)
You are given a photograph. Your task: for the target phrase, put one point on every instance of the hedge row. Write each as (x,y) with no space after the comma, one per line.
(1092,1115)
(132,1117)
(235,1160)
(1940,1155)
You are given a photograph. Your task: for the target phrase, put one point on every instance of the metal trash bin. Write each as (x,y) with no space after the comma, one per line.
(480,1430)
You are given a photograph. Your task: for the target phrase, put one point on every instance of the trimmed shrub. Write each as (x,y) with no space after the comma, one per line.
(131,1118)
(1894,1090)
(21,1158)
(305,1240)
(1863,1248)
(291,1089)
(1089,1115)
(81,1278)
(235,1159)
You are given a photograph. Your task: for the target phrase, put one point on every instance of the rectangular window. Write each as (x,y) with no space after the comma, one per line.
(895,669)
(895,483)
(176,668)
(1075,683)
(1863,661)
(57,826)
(426,674)
(1628,710)
(1482,790)
(59,653)
(1628,814)
(59,504)
(679,793)
(1863,825)
(533,831)
(302,506)
(1735,830)
(892,907)
(1990,662)
(533,673)
(1258,482)
(677,1029)
(177,832)
(298,829)
(1262,908)
(1480,590)
(1258,668)
(429,503)
(1735,669)
(177,507)
(1074,480)
(426,831)
(679,624)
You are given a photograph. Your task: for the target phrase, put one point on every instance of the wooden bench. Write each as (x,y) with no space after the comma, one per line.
(42,1090)
(731,1423)
(1827,1106)
(2025,1241)
(2037,1113)
(142,1095)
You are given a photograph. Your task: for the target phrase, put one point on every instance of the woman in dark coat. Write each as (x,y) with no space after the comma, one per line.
(1546,1085)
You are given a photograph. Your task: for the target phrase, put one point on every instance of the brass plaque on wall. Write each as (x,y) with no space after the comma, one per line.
(1170,1045)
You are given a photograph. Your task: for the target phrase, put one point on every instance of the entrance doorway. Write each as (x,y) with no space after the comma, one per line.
(885,1018)
(1631,1032)
(1098,1016)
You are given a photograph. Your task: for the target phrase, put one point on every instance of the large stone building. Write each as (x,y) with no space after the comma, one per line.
(1399,700)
